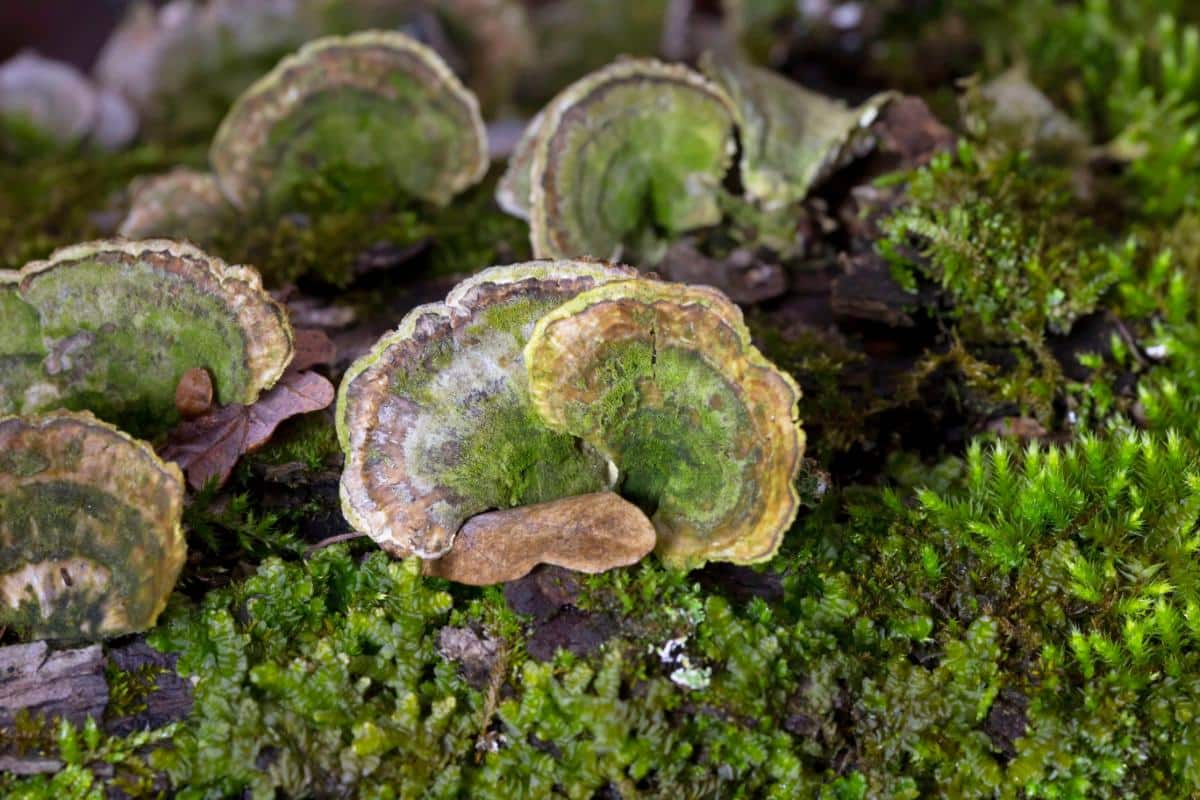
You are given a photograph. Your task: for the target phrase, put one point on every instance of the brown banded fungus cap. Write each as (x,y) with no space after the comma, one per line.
(791,138)
(634,150)
(435,420)
(375,106)
(90,538)
(112,325)
(182,202)
(662,378)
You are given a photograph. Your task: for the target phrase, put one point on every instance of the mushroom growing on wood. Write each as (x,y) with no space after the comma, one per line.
(374,105)
(663,379)
(90,538)
(791,138)
(112,325)
(628,151)
(182,203)
(435,420)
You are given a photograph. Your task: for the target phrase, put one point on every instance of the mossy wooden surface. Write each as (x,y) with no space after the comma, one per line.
(956,613)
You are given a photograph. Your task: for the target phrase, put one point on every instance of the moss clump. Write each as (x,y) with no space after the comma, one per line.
(310,440)
(510,459)
(94,765)
(324,239)
(61,199)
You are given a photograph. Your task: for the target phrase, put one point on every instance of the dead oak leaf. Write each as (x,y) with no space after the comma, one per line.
(311,347)
(209,446)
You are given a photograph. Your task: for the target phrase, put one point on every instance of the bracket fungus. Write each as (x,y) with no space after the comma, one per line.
(112,326)
(586,533)
(183,203)
(376,104)
(63,104)
(636,148)
(90,537)
(791,137)
(435,420)
(663,379)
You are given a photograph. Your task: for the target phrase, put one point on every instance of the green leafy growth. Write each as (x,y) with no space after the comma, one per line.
(94,765)
(65,198)
(315,678)
(332,239)
(1012,249)
(1130,69)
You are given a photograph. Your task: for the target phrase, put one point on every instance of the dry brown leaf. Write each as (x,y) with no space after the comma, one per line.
(210,445)
(296,393)
(311,347)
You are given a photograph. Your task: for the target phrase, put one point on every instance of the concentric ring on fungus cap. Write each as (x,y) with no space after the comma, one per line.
(90,537)
(435,420)
(390,104)
(663,379)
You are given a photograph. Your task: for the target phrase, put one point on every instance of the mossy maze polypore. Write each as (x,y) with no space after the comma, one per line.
(90,538)
(791,138)
(374,104)
(636,148)
(662,378)
(435,420)
(111,326)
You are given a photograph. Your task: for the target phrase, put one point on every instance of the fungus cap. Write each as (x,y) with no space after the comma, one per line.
(435,420)
(637,135)
(791,137)
(587,533)
(182,203)
(375,104)
(663,379)
(90,537)
(112,325)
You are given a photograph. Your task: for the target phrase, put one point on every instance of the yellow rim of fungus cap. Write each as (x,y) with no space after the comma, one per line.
(435,421)
(545,131)
(635,368)
(266,335)
(46,459)
(247,126)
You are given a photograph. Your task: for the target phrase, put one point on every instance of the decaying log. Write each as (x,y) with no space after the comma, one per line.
(63,683)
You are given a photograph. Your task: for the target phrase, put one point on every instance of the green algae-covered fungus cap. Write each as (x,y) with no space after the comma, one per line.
(373,108)
(634,150)
(791,137)
(662,379)
(111,326)
(90,538)
(435,420)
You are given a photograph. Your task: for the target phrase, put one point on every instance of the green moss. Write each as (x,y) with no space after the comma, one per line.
(310,440)
(67,198)
(509,458)
(95,765)
(128,690)
(22,140)
(328,241)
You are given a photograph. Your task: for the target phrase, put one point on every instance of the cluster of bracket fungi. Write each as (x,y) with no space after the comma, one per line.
(570,379)
(565,410)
